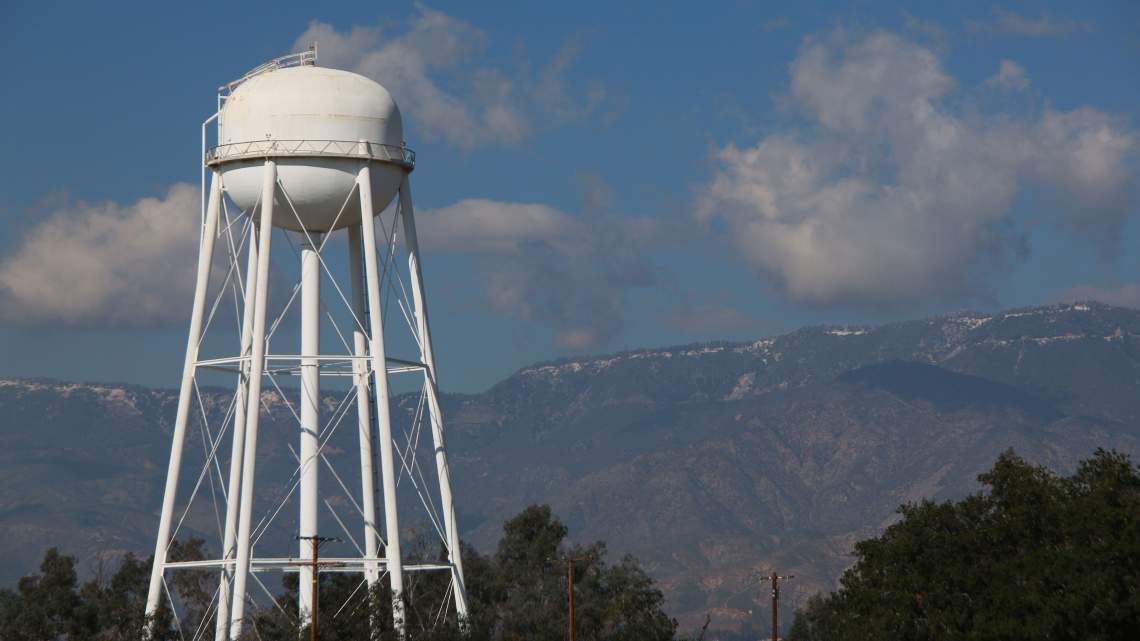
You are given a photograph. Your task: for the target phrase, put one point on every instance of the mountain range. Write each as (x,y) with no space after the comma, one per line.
(711,463)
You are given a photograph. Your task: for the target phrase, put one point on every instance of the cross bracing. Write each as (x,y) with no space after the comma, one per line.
(234,331)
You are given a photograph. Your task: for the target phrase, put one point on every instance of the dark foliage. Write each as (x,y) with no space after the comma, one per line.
(109,607)
(1035,556)
(518,593)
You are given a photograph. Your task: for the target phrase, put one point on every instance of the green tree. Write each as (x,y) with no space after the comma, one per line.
(519,593)
(112,606)
(51,605)
(530,596)
(43,605)
(1033,556)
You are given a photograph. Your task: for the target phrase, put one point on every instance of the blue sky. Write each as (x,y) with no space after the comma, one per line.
(669,172)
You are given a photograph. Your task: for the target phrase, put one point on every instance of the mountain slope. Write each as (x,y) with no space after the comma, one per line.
(709,462)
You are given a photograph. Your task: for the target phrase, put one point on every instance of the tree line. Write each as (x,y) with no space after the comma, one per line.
(1034,555)
(518,593)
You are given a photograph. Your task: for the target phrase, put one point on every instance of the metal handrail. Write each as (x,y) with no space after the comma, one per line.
(396,154)
(307,57)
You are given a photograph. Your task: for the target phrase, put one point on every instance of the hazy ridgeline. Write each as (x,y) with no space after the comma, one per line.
(1033,556)
(711,463)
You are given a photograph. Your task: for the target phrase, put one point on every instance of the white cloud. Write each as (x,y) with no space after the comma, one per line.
(1044,25)
(1009,77)
(1089,159)
(431,70)
(133,265)
(487,227)
(927,31)
(555,94)
(538,263)
(894,194)
(106,264)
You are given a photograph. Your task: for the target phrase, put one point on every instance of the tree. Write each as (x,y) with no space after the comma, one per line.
(51,605)
(518,593)
(44,604)
(1033,556)
(530,595)
(113,606)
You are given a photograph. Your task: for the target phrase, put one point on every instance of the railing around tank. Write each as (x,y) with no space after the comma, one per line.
(396,154)
(307,57)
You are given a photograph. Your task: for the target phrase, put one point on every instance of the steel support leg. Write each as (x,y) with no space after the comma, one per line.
(310,413)
(222,622)
(256,368)
(363,415)
(185,394)
(380,388)
(423,330)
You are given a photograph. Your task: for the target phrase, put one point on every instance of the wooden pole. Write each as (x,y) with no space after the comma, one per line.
(775,600)
(570,574)
(569,589)
(775,579)
(314,564)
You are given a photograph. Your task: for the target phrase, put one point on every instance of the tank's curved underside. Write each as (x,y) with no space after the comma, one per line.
(314,194)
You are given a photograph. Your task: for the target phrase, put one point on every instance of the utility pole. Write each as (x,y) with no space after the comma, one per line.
(570,593)
(570,589)
(315,563)
(776,597)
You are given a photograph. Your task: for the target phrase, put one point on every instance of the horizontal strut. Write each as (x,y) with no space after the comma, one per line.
(289,564)
(404,364)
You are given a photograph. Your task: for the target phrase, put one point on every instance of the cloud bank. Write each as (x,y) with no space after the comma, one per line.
(892,191)
(133,265)
(538,263)
(432,69)
(1009,77)
(106,264)
(1007,22)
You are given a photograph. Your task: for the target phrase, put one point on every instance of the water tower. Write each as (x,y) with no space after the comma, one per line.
(303,152)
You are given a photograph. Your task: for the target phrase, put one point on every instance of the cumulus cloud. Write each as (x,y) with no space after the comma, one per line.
(431,68)
(558,97)
(539,263)
(1004,21)
(1010,76)
(894,193)
(133,265)
(106,264)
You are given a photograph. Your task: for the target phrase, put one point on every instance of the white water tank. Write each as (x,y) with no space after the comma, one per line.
(319,125)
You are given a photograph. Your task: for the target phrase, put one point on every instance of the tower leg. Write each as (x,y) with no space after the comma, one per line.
(380,388)
(256,369)
(185,393)
(222,623)
(455,555)
(363,414)
(310,412)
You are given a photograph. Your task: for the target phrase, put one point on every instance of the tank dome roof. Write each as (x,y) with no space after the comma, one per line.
(310,103)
